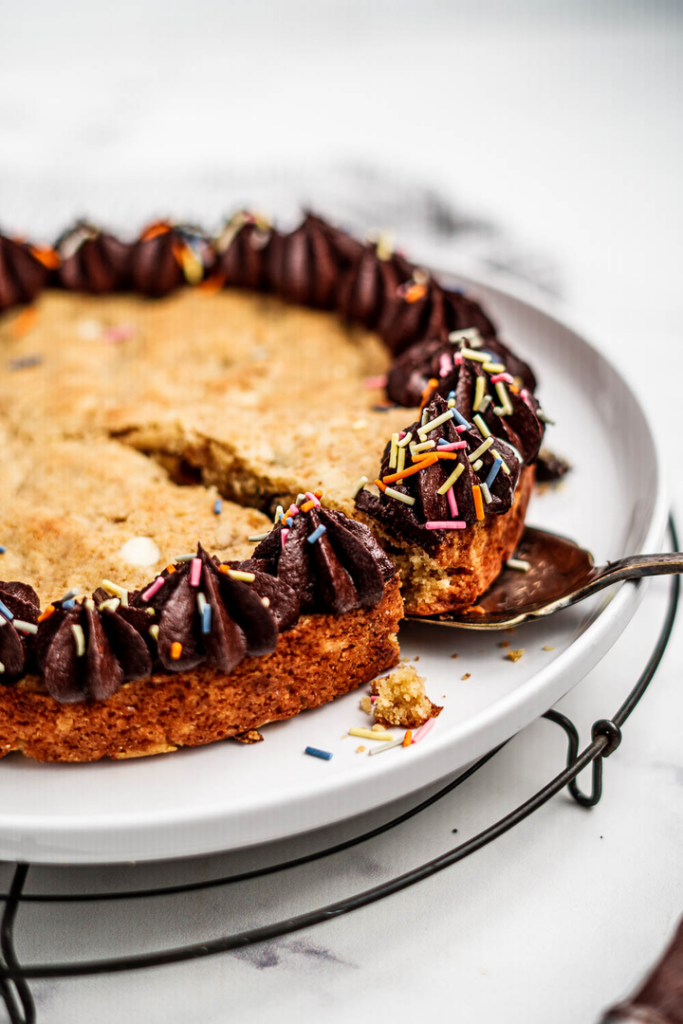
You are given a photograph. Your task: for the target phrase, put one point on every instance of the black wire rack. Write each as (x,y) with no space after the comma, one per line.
(606,736)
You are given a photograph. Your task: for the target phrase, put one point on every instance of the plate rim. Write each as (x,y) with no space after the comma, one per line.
(609,622)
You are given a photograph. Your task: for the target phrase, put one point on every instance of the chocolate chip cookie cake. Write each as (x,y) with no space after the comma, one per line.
(227,464)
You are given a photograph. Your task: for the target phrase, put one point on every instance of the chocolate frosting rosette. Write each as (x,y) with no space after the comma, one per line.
(86,652)
(167,256)
(305,266)
(215,613)
(446,471)
(92,260)
(332,562)
(24,271)
(19,609)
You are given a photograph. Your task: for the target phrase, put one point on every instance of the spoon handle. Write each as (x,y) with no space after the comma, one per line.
(631,568)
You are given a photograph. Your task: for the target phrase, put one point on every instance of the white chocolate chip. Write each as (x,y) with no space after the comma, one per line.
(89,330)
(140,551)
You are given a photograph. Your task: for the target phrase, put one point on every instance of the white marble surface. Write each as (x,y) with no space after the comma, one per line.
(561,126)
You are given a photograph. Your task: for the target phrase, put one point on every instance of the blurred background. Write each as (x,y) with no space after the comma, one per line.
(538,136)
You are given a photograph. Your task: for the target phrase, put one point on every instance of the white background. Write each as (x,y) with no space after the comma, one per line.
(559,124)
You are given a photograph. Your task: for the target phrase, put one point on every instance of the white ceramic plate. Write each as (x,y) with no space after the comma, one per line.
(227,796)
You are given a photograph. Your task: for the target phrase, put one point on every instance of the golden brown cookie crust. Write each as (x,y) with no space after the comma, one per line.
(322,657)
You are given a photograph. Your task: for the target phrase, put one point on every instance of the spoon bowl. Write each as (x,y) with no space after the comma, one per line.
(552,573)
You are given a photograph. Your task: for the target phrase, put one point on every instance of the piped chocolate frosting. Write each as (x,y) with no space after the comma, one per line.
(24,271)
(305,265)
(92,260)
(426,476)
(167,256)
(243,252)
(332,562)
(19,604)
(439,367)
(369,282)
(421,308)
(85,653)
(239,622)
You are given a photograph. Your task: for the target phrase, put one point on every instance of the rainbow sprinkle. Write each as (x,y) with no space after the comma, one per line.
(477,357)
(446,524)
(424,730)
(116,591)
(50,611)
(452,503)
(394,451)
(405,498)
(483,447)
(520,564)
(3,549)
(324,755)
(505,402)
(470,334)
(25,627)
(478,503)
(317,534)
(237,574)
(494,470)
(454,446)
(428,460)
(503,464)
(437,421)
(154,589)
(195,572)
(371,734)
(206,619)
(481,426)
(4,610)
(358,486)
(479,392)
(218,506)
(461,420)
(176,650)
(446,486)
(79,638)
(154,632)
(405,440)
(386,746)
(486,494)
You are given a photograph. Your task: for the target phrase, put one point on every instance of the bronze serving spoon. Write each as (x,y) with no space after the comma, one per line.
(560,574)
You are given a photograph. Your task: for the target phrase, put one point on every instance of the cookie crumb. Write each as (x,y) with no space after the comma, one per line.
(250,736)
(400,700)
(361,749)
(504,643)
(466,676)
(547,647)
(515,655)
(454,655)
